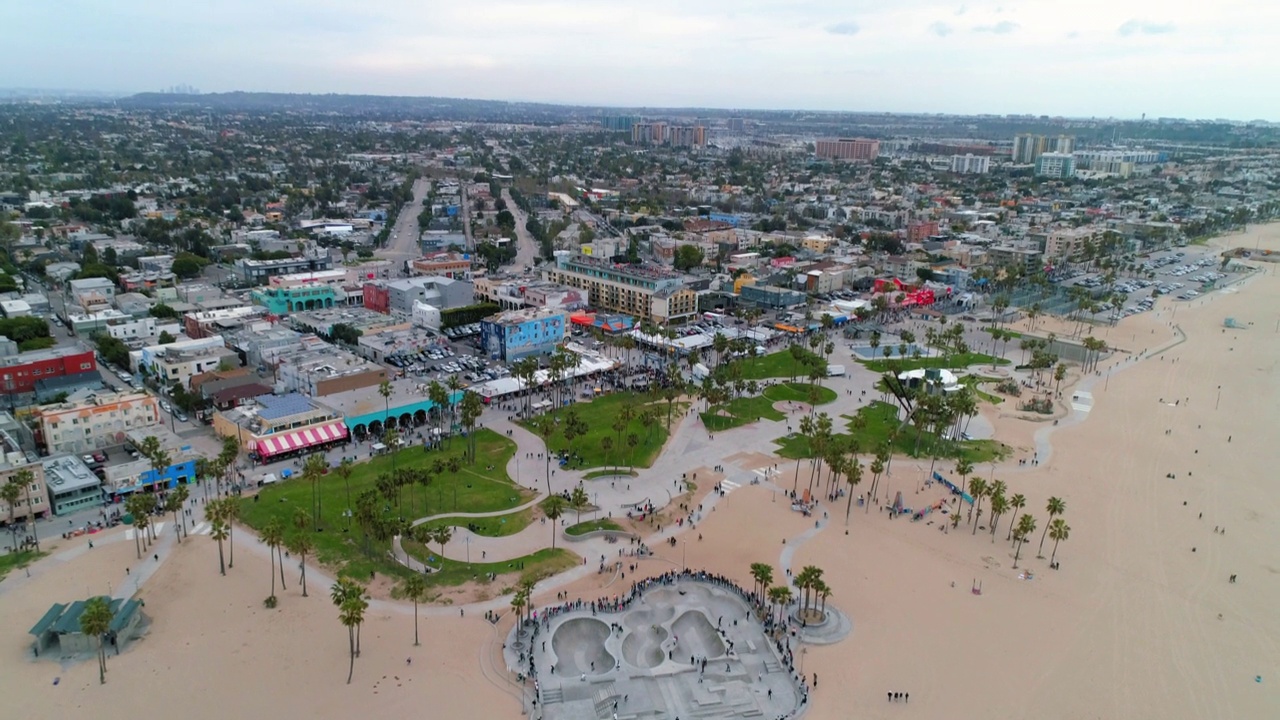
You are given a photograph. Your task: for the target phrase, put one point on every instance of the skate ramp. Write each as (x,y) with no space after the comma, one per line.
(696,636)
(642,648)
(648,617)
(580,642)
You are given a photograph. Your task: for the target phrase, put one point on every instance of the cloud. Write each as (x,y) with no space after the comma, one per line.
(1144,27)
(1004,27)
(848,27)
(962,10)
(940,29)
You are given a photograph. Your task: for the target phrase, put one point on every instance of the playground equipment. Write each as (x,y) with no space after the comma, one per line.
(1231,324)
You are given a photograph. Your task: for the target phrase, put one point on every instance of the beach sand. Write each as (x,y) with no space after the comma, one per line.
(1133,625)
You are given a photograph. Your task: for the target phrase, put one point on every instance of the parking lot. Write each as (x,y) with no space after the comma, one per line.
(1182,274)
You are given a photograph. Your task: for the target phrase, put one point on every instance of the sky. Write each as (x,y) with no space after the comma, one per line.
(1078,58)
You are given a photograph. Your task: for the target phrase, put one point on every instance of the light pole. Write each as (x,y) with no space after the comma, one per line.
(684,552)
(1215,402)
(467,540)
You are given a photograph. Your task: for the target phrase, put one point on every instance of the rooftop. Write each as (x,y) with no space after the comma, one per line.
(274,407)
(64,473)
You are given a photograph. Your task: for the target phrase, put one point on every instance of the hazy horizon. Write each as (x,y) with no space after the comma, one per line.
(1102,59)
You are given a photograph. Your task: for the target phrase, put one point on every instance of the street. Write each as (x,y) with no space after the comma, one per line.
(526,248)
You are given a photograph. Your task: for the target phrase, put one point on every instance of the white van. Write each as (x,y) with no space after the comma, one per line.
(835,370)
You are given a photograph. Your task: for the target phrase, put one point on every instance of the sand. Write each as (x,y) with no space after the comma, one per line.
(1133,625)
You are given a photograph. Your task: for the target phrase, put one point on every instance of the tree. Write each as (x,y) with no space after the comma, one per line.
(414,588)
(187,266)
(10,492)
(471,408)
(442,534)
(166,338)
(1016,503)
(1059,530)
(1054,507)
(273,537)
(138,506)
(553,507)
(173,503)
(688,257)
(578,500)
(344,470)
(384,389)
(230,513)
(780,595)
(314,468)
(301,544)
(95,621)
(218,531)
(977,489)
(762,573)
(1026,526)
(349,597)
(853,476)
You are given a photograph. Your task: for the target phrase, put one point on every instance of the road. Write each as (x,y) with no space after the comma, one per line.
(403,246)
(526,248)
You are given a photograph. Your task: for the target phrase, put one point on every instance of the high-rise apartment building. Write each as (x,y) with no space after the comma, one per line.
(1056,165)
(649,292)
(848,149)
(687,136)
(618,123)
(1028,147)
(737,125)
(970,164)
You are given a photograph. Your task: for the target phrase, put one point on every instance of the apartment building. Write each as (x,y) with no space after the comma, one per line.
(1063,243)
(15,457)
(26,372)
(70,484)
(1056,165)
(92,295)
(848,149)
(178,362)
(970,164)
(446,264)
(644,291)
(98,420)
(1028,147)
(515,334)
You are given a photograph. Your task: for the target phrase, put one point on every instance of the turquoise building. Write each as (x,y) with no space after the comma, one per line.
(285,300)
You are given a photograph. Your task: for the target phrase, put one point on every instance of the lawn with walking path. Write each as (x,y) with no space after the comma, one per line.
(451,573)
(597,418)
(774,365)
(583,528)
(881,423)
(494,526)
(744,410)
(340,545)
(16,561)
(961,360)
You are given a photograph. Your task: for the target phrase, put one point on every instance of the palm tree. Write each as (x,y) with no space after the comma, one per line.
(173,503)
(1016,503)
(441,535)
(1059,530)
(877,467)
(384,389)
(10,492)
(806,430)
(301,545)
(351,615)
(606,444)
(780,595)
(853,476)
(344,471)
(999,506)
(95,621)
(343,591)
(415,589)
(313,469)
(762,573)
(273,537)
(553,508)
(1026,526)
(977,489)
(231,513)
(578,500)
(218,532)
(1054,507)
(471,407)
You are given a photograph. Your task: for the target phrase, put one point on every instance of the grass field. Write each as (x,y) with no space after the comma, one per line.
(583,528)
(451,573)
(743,410)
(598,415)
(774,365)
(16,561)
(951,361)
(499,526)
(474,488)
(976,381)
(882,421)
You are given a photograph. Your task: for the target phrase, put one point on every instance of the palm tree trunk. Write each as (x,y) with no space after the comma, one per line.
(358,627)
(415,622)
(1040,551)
(222,564)
(304,576)
(1055,552)
(231,544)
(351,668)
(280,552)
(271,554)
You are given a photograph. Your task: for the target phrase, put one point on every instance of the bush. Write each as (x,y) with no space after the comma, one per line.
(271,602)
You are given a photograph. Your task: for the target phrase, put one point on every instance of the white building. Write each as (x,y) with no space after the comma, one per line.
(427,316)
(98,420)
(970,164)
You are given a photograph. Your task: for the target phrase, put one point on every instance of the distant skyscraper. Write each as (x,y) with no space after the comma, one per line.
(848,149)
(687,136)
(737,125)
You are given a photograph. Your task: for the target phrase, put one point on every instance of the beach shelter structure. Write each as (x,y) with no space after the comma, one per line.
(58,631)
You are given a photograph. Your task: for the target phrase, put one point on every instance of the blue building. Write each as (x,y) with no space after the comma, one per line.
(516,334)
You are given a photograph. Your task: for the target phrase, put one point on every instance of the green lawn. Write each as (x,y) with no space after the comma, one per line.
(499,526)
(976,381)
(598,415)
(450,573)
(882,421)
(774,365)
(591,526)
(744,410)
(474,488)
(951,361)
(15,561)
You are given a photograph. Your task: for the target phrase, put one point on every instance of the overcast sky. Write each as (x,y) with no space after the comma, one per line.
(1057,57)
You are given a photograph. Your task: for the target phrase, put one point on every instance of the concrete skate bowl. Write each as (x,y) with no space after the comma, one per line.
(642,647)
(578,643)
(643,619)
(696,636)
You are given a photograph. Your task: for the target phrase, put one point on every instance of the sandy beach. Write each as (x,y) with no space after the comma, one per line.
(1140,621)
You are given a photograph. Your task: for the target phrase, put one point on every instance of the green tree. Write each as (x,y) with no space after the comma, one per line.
(688,257)
(1058,530)
(578,500)
(1026,526)
(301,544)
(10,492)
(1055,507)
(553,507)
(414,588)
(273,538)
(762,574)
(349,597)
(95,621)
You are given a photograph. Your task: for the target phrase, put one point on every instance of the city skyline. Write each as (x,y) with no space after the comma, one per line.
(1124,58)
